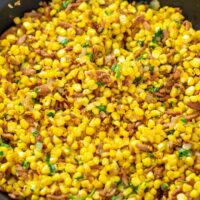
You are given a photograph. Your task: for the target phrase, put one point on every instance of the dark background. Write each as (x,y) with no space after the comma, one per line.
(191,9)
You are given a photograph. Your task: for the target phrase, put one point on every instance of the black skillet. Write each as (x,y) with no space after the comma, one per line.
(191,9)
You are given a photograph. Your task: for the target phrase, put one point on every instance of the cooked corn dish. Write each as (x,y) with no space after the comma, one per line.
(100,100)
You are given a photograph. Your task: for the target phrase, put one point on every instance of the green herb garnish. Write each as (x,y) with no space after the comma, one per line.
(154,89)
(137,80)
(5,145)
(36,90)
(35,133)
(183,153)
(85,45)
(142,56)
(158,36)
(79,178)
(100,83)
(164,186)
(25,164)
(39,145)
(64,41)
(151,69)
(64,4)
(52,167)
(183,120)
(115,197)
(170,132)
(151,154)
(116,68)
(140,43)
(108,13)
(92,193)
(1,153)
(50,114)
(102,108)
(90,56)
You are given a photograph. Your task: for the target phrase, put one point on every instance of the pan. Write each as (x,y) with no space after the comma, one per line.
(10,9)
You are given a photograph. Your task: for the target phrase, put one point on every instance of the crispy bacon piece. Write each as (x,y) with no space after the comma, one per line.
(21,39)
(177,74)
(103,76)
(43,90)
(166,35)
(142,147)
(28,71)
(194,105)
(172,112)
(7,32)
(72,5)
(59,196)
(192,116)
(33,15)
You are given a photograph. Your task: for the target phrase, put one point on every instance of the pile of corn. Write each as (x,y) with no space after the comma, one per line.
(100,100)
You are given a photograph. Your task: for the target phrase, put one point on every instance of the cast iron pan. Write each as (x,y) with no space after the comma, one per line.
(191,9)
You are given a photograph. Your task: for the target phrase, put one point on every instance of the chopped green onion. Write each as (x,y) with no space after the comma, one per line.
(35,133)
(90,56)
(115,197)
(183,120)
(1,153)
(164,186)
(64,4)
(25,164)
(143,56)
(64,41)
(151,154)
(102,108)
(36,90)
(158,36)
(183,153)
(52,168)
(5,145)
(137,80)
(85,45)
(100,83)
(116,68)
(92,193)
(79,178)
(50,114)
(154,89)
(39,145)
(151,69)
(171,132)
(108,13)
(140,43)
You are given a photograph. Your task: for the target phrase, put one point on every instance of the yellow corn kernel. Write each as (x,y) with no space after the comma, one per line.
(24,124)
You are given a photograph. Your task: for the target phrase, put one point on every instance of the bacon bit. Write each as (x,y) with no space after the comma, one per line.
(177,74)
(124,177)
(150,98)
(193,169)
(146,25)
(33,14)
(68,25)
(98,27)
(142,147)
(172,112)
(95,51)
(69,48)
(166,35)
(194,105)
(14,195)
(187,24)
(61,196)
(110,60)
(44,54)
(29,118)
(128,81)
(43,90)
(171,53)
(175,193)
(158,171)
(103,76)
(21,172)
(47,12)
(137,53)
(7,32)
(138,20)
(8,136)
(192,116)
(28,71)
(72,5)
(21,40)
